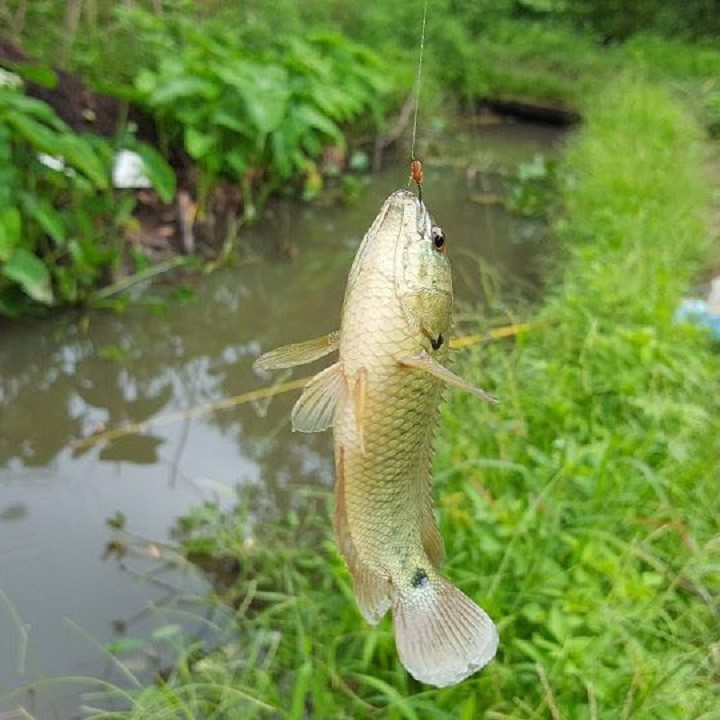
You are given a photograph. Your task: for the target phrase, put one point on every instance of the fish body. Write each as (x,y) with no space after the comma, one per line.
(381,399)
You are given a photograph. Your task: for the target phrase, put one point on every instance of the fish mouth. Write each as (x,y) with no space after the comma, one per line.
(400,198)
(406,202)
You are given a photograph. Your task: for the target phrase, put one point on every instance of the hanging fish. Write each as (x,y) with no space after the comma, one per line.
(381,399)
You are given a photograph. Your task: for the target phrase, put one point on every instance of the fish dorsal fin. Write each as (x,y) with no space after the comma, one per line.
(424,362)
(317,406)
(298,353)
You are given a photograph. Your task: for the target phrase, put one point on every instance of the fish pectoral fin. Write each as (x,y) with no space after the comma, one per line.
(316,408)
(424,362)
(299,353)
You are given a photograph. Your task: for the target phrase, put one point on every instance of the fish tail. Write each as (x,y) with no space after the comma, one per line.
(441,635)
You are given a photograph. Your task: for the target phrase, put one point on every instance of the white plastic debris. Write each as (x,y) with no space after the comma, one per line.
(54,162)
(705,313)
(129,171)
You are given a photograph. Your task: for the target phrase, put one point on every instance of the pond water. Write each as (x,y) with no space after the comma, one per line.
(64,593)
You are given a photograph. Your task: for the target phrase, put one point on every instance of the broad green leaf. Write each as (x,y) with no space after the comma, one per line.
(318,121)
(30,273)
(236,162)
(10,224)
(181,88)
(197,143)
(41,210)
(36,134)
(160,174)
(146,82)
(32,108)
(264,89)
(39,74)
(77,152)
(231,121)
(80,155)
(128,93)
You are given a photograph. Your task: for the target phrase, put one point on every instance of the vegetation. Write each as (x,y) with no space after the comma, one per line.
(582,512)
(61,222)
(253,93)
(240,110)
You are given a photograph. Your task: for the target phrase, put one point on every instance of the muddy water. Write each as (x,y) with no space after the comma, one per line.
(64,592)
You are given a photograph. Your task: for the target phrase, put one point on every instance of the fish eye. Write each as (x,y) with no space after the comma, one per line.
(438,238)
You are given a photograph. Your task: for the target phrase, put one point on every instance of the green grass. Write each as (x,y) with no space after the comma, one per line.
(593,485)
(582,513)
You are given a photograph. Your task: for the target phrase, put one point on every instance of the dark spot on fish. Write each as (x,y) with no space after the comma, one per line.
(438,238)
(420,578)
(437,342)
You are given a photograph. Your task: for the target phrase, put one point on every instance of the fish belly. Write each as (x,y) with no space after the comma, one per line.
(383,486)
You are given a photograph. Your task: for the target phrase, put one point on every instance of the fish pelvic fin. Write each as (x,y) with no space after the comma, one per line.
(424,362)
(298,353)
(317,407)
(372,591)
(442,636)
(372,594)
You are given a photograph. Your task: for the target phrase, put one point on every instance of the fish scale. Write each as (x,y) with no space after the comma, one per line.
(381,399)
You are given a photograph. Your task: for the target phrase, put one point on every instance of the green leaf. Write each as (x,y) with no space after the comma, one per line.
(125,645)
(80,155)
(41,210)
(230,121)
(197,143)
(236,162)
(121,91)
(160,174)
(265,91)
(77,151)
(33,108)
(30,273)
(315,119)
(39,74)
(36,134)
(146,82)
(182,88)
(10,224)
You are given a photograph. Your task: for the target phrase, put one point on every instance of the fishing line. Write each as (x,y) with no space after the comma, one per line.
(418,84)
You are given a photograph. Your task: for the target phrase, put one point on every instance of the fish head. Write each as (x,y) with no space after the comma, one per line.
(405,248)
(423,280)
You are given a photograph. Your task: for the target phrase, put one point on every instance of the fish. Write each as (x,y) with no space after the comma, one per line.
(381,399)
